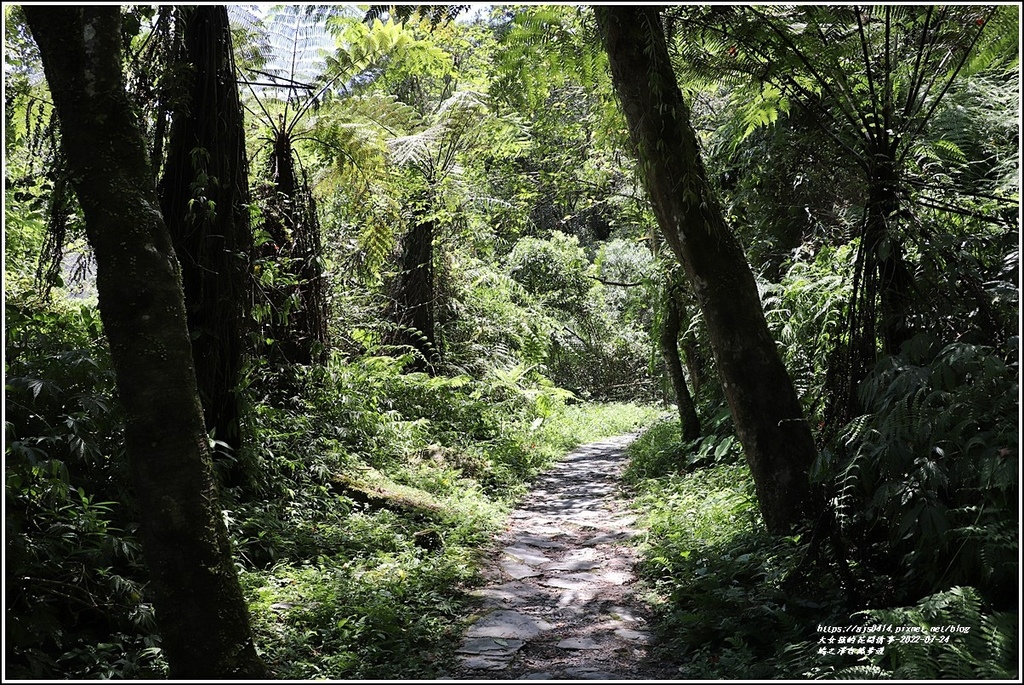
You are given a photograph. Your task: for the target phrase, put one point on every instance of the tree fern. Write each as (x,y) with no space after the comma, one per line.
(872,79)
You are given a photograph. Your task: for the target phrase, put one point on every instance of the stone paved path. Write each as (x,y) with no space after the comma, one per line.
(559,604)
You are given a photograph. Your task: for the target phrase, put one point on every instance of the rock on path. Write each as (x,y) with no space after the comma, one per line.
(559,604)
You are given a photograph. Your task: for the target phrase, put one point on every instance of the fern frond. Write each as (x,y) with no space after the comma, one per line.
(969,644)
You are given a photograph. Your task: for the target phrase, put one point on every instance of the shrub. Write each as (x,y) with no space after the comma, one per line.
(958,639)
(75,583)
(930,479)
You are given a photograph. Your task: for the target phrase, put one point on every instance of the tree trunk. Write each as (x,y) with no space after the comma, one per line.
(298,322)
(199,603)
(695,362)
(766,412)
(884,253)
(206,163)
(413,295)
(669,343)
(879,303)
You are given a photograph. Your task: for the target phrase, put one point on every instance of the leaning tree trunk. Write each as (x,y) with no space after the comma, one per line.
(201,611)
(766,412)
(669,343)
(204,198)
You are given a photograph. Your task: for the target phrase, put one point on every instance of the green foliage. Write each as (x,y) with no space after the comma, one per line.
(931,472)
(983,645)
(24,235)
(75,585)
(719,583)
(868,75)
(349,618)
(598,335)
(979,119)
(338,581)
(807,314)
(733,602)
(659,451)
(555,270)
(494,322)
(544,47)
(630,273)
(582,423)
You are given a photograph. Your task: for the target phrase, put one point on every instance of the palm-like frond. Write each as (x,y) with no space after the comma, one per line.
(435,14)
(301,58)
(288,53)
(453,128)
(871,76)
(544,47)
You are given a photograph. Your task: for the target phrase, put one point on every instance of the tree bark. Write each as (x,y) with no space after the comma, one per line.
(202,613)
(669,343)
(884,253)
(413,303)
(766,412)
(206,163)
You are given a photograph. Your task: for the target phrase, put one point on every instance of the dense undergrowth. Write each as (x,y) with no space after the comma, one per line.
(370,557)
(364,494)
(370,496)
(733,602)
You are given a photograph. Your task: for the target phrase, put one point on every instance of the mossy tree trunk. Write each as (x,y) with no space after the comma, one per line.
(201,611)
(204,198)
(766,412)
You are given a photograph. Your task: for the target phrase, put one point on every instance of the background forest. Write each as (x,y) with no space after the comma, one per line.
(423,252)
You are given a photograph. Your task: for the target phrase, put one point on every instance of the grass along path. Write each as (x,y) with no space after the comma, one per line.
(559,603)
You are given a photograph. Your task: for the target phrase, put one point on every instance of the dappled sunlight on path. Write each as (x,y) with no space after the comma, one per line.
(559,604)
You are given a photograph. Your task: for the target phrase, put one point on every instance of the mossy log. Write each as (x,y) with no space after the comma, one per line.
(376,497)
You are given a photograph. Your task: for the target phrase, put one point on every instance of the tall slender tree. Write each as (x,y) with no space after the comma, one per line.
(301,75)
(429,159)
(204,199)
(668,341)
(288,83)
(769,421)
(200,607)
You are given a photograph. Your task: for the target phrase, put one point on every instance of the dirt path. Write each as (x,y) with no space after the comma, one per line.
(559,604)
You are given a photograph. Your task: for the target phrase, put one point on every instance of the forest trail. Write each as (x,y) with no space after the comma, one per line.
(559,603)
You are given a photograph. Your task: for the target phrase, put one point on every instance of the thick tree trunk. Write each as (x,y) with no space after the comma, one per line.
(202,613)
(206,163)
(413,296)
(669,343)
(766,412)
